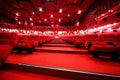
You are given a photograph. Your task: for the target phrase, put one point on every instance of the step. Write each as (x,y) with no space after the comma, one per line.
(57,41)
(61,72)
(62,49)
(20,75)
(59,45)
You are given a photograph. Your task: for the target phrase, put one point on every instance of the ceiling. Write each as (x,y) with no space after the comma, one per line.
(44,12)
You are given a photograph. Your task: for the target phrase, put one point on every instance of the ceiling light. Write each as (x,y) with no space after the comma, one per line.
(60,10)
(19,22)
(17,14)
(79,12)
(40,9)
(77,24)
(102,15)
(16,18)
(110,10)
(30,19)
(32,24)
(33,13)
(68,15)
(59,20)
(45,19)
(51,16)
(26,23)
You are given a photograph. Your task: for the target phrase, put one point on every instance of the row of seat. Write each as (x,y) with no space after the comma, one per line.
(104,44)
(29,42)
(76,40)
(98,43)
(7,41)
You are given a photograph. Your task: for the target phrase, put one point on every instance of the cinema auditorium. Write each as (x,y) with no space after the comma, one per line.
(59,39)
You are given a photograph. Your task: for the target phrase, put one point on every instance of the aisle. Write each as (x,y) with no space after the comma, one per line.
(57,41)
(68,61)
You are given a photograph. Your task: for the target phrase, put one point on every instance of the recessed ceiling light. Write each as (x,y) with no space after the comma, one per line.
(17,14)
(59,19)
(79,12)
(45,19)
(102,15)
(26,23)
(32,24)
(40,9)
(110,10)
(77,24)
(51,16)
(68,15)
(19,22)
(33,13)
(60,10)
(30,19)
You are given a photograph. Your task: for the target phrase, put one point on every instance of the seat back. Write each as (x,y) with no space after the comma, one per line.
(107,38)
(7,41)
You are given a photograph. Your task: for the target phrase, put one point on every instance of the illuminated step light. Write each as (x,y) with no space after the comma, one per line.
(51,16)
(30,19)
(79,12)
(17,14)
(59,20)
(60,10)
(45,19)
(40,9)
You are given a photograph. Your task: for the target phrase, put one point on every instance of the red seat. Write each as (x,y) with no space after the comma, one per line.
(107,45)
(7,41)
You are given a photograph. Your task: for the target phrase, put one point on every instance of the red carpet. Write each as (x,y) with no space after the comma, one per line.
(63,49)
(59,45)
(69,61)
(17,75)
(57,41)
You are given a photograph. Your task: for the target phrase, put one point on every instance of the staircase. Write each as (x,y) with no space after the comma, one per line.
(59,46)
